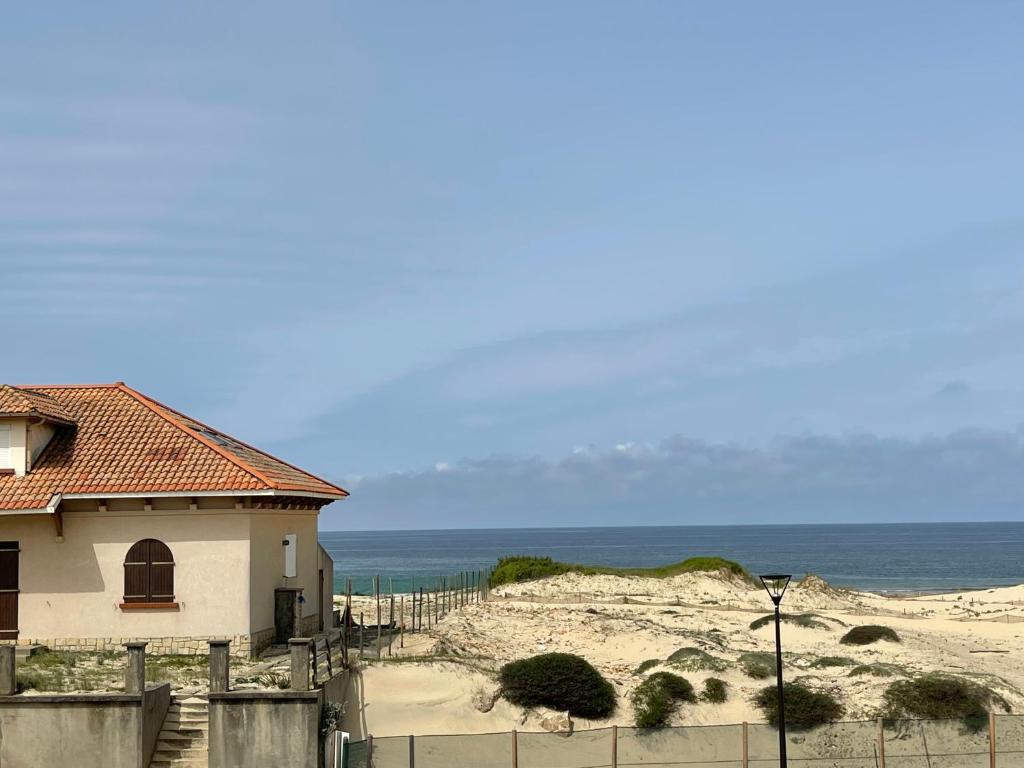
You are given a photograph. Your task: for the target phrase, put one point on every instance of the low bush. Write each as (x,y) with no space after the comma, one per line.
(695,660)
(657,697)
(645,665)
(805,708)
(805,620)
(559,681)
(516,568)
(715,691)
(878,669)
(832,661)
(937,696)
(869,633)
(759,665)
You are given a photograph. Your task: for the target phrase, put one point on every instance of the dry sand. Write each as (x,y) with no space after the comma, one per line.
(618,622)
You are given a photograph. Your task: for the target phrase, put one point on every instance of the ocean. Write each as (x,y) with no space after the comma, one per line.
(882,558)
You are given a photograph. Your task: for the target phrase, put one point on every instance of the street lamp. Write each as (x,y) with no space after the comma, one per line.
(775,584)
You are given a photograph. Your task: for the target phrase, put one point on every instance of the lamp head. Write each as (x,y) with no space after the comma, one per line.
(775,584)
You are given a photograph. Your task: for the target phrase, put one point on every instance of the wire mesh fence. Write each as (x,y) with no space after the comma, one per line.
(987,743)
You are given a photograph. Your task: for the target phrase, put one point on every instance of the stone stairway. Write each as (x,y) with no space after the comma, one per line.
(183,741)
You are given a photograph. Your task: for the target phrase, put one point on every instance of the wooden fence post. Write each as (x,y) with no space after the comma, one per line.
(515,749)
(401,629)
(360,634)
(882,743)
(746,747)
(369,750)
(421,610)
(412,752)
(376,591)
(615,746)
(992,739)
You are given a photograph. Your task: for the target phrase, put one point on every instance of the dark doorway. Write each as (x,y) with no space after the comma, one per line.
(9,590)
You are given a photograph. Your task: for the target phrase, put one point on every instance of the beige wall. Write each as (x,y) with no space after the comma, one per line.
(266,563)
(73,589)
(38,437)
(19,438)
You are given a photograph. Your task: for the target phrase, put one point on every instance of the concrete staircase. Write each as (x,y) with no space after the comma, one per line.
(183,742)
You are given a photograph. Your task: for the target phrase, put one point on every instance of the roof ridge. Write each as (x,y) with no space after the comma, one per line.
(150,403)
(115,385)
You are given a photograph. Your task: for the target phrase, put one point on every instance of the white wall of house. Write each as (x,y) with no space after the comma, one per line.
(267,530)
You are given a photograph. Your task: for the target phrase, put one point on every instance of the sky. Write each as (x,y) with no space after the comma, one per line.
(533,263)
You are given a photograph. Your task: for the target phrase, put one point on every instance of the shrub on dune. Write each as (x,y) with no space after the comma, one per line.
(559,681)
(715,691)
(805,620)
(805,708)
(937,696)
(757,664)
(657,697)
(869,633)
(696,660)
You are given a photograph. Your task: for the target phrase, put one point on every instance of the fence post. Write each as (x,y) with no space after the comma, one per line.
(135,673)
(299,647)
(515,749)
(360,634)
(369,750)
(881,743)
(8,673)
(220,665)
(412,752)
(992,739)
(615,746)
(401,630)
(746,747)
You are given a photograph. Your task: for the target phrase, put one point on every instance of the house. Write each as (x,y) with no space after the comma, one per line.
(122,519)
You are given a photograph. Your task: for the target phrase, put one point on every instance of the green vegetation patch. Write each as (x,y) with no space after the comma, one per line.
(657,697)
(938,696)
(517,568)
(696,660)
(715,691)
(805,620)
(759,665)
(647,664)
(805,708)
(878,669)
(559,681)
(832,661)
(869,633)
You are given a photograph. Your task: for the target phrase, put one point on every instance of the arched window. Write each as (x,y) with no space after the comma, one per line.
(149,573)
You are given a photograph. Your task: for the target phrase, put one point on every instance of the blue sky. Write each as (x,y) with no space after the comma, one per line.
(481,260)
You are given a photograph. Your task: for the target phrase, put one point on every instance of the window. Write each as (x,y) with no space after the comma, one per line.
(149,573)
(5,446)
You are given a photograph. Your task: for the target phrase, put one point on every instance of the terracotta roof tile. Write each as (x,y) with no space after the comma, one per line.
(124,442)
(26,402)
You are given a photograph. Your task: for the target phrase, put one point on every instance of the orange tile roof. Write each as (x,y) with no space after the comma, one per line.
(25,402)
(125,442)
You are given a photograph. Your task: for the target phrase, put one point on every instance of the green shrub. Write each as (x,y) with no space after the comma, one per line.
(657,697)
(757,664)
(937,696)
(878,669)
(869,633)
(715,691)
(806,620)
(832,661)
(695,660)
(516,568)
(560,681)
(804,708)
(645,665)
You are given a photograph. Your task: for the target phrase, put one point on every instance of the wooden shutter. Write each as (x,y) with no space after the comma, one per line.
(149,573)
(8,590)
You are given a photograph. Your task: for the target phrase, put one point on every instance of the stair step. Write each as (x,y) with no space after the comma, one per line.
(179,735)
(175,754)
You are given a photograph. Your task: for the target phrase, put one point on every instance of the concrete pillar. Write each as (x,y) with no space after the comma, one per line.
(8,678)
(300,663)
(135,673)
(220,666)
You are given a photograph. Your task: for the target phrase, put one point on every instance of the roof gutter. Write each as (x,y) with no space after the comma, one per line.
(188,494)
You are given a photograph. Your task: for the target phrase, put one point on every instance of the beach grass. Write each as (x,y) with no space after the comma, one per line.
(517,568)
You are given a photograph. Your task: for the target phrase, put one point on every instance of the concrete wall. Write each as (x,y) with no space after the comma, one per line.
(267,530)
(87,731)
(265,729)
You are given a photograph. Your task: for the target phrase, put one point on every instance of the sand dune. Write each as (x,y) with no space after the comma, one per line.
(618,622)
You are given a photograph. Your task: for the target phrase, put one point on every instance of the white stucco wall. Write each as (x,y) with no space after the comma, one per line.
(267,530)
(73,589)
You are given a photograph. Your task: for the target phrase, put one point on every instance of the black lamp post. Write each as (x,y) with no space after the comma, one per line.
(776,585)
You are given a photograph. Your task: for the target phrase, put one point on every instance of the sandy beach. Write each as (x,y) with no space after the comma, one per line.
(435,685)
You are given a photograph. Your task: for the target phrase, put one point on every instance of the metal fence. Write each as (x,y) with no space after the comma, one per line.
(999,741)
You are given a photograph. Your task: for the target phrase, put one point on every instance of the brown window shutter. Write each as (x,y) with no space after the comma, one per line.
(149,573)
